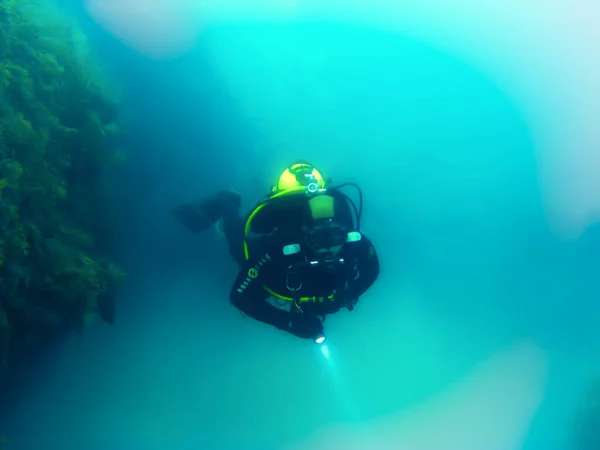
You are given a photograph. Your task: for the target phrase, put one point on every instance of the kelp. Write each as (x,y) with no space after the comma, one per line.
(58,121)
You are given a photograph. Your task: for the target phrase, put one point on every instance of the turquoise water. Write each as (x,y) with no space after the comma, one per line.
(479,334)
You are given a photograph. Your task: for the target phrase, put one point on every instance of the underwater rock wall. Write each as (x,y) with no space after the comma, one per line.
(58,121)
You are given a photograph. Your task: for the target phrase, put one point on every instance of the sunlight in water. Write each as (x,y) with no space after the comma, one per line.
(560,112)
(491,409)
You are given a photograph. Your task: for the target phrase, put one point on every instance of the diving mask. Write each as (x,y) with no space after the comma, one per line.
(326,238)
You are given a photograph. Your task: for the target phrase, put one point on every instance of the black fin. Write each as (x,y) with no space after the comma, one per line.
(106,308)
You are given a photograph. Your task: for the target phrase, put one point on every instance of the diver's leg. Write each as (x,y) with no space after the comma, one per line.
(233,229)
(201,215)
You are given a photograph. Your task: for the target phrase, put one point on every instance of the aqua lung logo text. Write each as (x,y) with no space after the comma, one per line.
(253,272)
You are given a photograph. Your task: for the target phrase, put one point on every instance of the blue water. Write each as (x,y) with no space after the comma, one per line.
(470,266)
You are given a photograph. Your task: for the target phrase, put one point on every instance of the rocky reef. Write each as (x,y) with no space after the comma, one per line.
(59,120)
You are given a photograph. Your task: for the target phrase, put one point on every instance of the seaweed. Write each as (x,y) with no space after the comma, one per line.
(59,116)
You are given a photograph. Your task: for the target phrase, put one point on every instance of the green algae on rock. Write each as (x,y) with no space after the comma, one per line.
(58,119)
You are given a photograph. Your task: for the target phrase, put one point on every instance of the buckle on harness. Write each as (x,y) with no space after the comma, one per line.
(292,279)
(293,283)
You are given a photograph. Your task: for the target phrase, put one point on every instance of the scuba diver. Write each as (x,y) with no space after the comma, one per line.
(301,245)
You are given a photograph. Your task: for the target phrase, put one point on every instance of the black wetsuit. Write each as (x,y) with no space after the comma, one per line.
(323,288)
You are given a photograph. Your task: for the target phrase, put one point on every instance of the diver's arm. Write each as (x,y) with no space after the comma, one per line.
(368,268)
(249,296)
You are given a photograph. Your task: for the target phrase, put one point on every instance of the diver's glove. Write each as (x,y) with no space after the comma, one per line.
(306,326)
